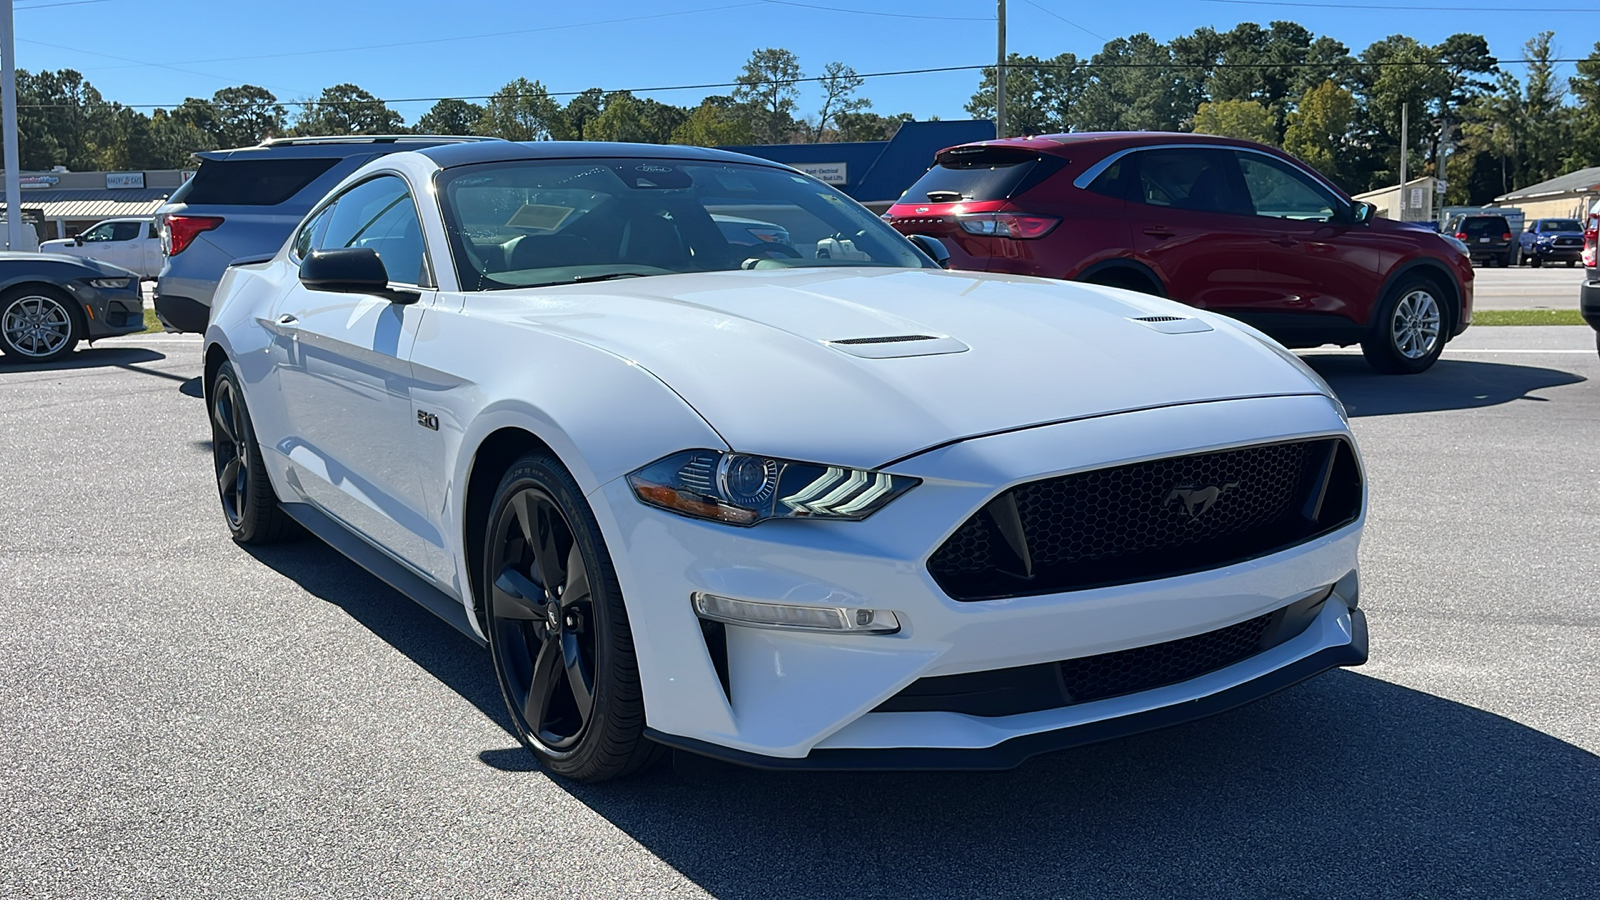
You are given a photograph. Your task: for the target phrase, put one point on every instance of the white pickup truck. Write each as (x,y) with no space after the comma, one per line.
(131,243)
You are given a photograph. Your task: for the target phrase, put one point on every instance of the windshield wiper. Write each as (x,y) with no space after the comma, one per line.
(581,279)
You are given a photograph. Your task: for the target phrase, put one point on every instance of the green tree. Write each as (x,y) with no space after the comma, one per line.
(767,90)
(629,118)
(1247,119)
(1135,86)
(870,126)
(719,121)
(523,111)
(450,116)
(347,109)
(583,109)
(245,115)
(1040,94)
(1320,132)
(1586,119)
(839,84)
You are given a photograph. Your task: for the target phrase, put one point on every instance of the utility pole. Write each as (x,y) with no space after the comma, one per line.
(1405,112)
(999,77)
(8,122)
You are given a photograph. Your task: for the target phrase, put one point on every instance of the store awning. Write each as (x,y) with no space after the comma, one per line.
(93,204)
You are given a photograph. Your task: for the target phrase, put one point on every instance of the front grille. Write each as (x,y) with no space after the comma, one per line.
(1150,520)
(1024,689)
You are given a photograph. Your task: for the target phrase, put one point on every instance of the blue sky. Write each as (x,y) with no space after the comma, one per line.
(158,52)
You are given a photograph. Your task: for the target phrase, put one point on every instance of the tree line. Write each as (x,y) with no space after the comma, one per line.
(63,120)
(1339,111)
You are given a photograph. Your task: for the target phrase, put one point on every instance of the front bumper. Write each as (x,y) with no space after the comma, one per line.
(1555,254)
(109,312)
(791,697)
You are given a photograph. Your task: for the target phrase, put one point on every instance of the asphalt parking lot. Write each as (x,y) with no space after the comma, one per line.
(187,718)
(1527,288)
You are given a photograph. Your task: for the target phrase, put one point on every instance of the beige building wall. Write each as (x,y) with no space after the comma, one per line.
(1564,206)
(1387,200)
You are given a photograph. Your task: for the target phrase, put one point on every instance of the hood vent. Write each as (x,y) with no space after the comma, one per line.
(1172,324)
(894,346)
(890,339)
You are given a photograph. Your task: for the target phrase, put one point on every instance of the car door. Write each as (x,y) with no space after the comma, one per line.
(346,376)
(115,243)
(1313,257)
(150,253)
(1190,223)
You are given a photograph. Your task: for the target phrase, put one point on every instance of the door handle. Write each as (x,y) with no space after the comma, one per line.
(1159,231)
(288,321)
(1284,241)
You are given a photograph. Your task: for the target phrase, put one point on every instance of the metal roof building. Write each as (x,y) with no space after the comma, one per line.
(1566,196)
(64,203)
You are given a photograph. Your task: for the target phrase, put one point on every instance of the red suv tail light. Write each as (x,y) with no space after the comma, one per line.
(178,232)
(1011,225)
(1589,240)
(1506,236)
(1461,235)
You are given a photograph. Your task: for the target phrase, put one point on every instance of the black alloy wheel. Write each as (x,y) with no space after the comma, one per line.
(558,630)
(249,504)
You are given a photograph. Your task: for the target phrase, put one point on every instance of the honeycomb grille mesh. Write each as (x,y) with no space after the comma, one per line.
(1138,522)
(1142,668)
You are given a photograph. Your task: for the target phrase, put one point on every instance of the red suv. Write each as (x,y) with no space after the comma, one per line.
(1222,224)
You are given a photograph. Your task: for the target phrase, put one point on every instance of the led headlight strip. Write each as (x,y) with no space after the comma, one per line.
(744,489)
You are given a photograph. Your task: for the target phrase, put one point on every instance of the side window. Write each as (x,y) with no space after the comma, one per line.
(126,231)
(381,215)
(1109,182)
(1278,192)
(308,234)
(150,230)
(98,233)
(1190,179)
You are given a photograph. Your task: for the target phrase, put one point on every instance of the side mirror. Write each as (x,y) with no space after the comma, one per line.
(78,240)
(351,270)
(932,246)
(1363,212)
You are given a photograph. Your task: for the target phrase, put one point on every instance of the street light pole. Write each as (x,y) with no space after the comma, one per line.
(999,77)
(8,122)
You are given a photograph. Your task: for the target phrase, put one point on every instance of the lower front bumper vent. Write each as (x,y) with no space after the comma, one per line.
(1009,692)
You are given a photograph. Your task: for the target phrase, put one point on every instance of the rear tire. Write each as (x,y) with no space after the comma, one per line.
(249,505)
(1408,333)
(1536,262)
(39,324)
(558,629)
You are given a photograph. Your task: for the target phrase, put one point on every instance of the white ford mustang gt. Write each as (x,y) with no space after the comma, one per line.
(799,500)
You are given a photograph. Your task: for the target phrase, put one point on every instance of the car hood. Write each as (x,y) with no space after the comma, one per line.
(56,246)
(759,353)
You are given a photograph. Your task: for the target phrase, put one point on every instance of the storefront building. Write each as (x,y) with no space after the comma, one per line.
(62,204)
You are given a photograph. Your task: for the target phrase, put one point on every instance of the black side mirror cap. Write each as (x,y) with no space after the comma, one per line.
(351,270)
(932,246)
(1363,212)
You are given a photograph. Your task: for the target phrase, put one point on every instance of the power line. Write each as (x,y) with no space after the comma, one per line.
(1064,19)
(1435,64)
(889,15)
(67,3)
(1407,8)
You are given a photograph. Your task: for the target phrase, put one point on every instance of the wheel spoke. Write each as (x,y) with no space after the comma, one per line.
(223,417)
(517,597)
(546,557)
(547,673)
(524,516)
(576,589)
(228,478)
(580,681)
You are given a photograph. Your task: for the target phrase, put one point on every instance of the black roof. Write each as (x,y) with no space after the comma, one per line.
(448,155)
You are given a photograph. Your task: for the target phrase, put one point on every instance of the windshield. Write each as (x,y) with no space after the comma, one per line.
(1560,225)
(541,222)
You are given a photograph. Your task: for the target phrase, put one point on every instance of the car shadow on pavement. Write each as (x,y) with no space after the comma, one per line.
(431,643)
(1449,384)
(1343,786)
(129,358)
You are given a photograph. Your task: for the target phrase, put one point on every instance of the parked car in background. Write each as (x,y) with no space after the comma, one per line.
(824,506)
(1589,294)
(131,243)
(1487,236)
(48,303)
(1550,240)
(1217,223)
(243,203)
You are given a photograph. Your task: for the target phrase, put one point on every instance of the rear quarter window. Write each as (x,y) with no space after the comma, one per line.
(253,182)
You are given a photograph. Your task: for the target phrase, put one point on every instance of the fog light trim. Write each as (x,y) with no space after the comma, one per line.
(792,617)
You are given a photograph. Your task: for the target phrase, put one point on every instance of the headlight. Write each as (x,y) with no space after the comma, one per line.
(744,489)
(109,284)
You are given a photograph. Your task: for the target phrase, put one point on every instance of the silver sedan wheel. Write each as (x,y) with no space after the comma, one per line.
(36,325)
(1416,324)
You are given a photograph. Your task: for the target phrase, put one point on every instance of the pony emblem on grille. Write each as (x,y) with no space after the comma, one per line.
(1196,499)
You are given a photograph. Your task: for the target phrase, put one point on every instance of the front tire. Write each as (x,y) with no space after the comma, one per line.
(39,324)
(1409,332)
(559,635)
(249,505)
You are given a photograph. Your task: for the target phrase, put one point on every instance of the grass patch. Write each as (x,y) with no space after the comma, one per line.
(1527,317)
(152,325)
